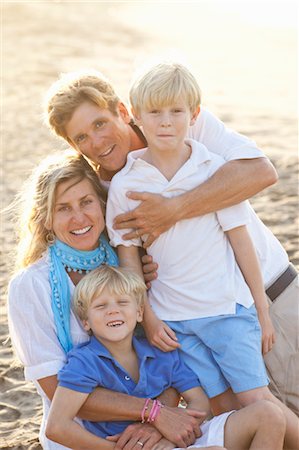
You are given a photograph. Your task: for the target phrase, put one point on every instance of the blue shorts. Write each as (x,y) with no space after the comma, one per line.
(224,351)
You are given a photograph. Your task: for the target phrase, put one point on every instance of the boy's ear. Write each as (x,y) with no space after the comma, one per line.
(86,325)
(139,315)
(194,116)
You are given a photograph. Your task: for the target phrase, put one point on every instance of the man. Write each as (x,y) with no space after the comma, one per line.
(84,109)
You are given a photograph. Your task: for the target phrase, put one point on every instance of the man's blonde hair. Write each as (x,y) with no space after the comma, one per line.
(117,280)
(162,85)
(70,91)
(34,205)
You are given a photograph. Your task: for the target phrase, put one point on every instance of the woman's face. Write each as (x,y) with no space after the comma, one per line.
(77,218)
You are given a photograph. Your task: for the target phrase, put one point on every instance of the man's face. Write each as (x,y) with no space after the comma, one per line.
(104,138)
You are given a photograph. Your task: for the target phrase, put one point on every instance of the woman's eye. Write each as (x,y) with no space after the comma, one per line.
(99,124)
(63,208)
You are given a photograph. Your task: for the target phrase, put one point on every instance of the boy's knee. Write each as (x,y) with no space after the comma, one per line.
(271,414)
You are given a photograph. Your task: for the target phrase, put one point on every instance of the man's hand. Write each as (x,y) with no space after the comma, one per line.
(180,425)
(155,215)
(134,433)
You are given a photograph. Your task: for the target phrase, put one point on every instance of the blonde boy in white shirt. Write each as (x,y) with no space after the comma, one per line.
(209,276)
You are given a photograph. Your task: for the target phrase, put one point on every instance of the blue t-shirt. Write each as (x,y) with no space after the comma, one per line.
(90,365)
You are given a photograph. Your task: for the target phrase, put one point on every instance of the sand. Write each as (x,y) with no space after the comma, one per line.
(41,39)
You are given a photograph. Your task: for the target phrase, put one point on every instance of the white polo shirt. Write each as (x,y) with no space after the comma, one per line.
(198,275)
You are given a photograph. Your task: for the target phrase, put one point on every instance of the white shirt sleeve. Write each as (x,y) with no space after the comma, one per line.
(31,324)
(118,203)
(211,132)
(234,216)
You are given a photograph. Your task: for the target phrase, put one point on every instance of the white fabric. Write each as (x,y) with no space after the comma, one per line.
(32,331)
(212,432)
(198,274)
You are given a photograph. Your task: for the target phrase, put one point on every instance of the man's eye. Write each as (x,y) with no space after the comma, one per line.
(80,139)
(87,201)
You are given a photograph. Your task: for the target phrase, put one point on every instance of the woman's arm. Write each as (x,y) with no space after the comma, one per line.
(233,182)
(247,260)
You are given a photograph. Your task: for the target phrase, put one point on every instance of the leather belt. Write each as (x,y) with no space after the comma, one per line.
(282,282)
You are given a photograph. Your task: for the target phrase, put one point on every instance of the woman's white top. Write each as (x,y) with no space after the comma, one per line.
(33,333)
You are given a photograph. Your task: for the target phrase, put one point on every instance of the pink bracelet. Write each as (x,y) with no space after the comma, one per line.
(145,408)
(155,410)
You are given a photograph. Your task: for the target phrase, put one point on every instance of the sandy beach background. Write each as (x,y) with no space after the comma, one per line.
(245,56)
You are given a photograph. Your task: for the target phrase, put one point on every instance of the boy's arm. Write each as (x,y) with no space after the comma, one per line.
(62,428)
(247,260)
(197,399)
(157,332)
(233,182)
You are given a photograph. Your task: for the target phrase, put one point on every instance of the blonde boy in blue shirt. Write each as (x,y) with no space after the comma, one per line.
(110,302)
(209,297)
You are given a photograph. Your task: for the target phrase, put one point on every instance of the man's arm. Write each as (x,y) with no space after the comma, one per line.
(247,260)
(234,182)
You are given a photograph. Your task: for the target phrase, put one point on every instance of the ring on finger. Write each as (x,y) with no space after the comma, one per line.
(140,443)
(137,235)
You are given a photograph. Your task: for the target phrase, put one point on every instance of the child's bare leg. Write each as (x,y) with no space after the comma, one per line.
(292,421)
(258,426)
(227,401)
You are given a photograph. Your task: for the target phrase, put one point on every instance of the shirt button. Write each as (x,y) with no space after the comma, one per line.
(127,378)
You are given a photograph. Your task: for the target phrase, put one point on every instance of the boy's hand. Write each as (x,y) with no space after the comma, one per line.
(149,269)
(137,432)
(268,334)
(160,335)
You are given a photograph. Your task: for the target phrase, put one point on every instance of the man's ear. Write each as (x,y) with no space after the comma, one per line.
(123,112)
(194,116)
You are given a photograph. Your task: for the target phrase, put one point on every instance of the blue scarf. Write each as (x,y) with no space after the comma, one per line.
(64,259)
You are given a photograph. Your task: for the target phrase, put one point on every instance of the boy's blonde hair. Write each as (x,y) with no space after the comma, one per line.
(70,91)
(162,85)
(118,280)
(34,205)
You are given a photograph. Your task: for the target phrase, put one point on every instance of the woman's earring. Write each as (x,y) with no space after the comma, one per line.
(50,237)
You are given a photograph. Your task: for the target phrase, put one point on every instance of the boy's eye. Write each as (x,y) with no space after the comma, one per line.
(123,302)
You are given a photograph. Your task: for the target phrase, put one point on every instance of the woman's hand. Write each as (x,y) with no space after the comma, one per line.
(164,444)
(160,335)
(149,269)
(153,216)
(268,333)
(134,433)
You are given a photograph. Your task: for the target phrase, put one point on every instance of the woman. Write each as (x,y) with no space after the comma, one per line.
(61,238)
